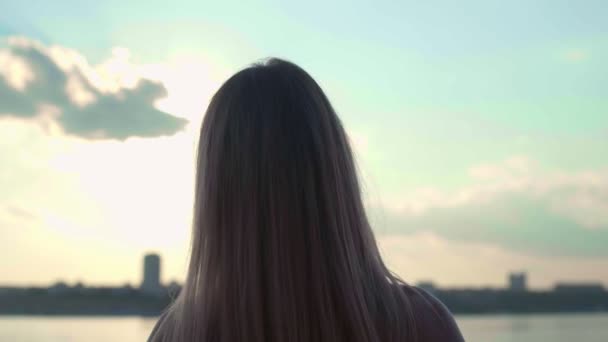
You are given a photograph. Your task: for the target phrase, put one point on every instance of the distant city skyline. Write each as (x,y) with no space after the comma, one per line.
(152,297)
(151,283)
(480,130)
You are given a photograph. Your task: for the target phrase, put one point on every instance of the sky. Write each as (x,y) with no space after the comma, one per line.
(480,129)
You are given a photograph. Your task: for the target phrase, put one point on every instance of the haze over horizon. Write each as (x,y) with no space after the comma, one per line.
(480,129)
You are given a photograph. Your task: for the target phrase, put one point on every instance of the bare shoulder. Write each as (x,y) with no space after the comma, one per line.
(434,321)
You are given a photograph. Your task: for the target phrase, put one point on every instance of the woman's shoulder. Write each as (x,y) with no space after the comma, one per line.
(155,331)
(434,321)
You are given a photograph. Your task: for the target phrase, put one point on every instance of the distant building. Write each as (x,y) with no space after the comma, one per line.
(579,288)
(151,279)
(122,291)
(79,288)
(173,289)
(517,281)
(428,286)
(59,288)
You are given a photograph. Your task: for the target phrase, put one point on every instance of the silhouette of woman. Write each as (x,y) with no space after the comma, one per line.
(282,250)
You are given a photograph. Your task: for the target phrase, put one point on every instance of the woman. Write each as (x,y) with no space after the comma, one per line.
(282,250)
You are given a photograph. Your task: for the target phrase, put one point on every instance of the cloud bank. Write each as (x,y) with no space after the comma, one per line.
(57,86)
(514,204)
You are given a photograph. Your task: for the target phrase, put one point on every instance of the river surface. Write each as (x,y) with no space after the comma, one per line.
(503,328)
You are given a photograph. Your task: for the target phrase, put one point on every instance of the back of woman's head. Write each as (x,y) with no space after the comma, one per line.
(281,247)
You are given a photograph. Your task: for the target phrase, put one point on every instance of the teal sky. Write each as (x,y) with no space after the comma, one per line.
(475,122)
(493,78)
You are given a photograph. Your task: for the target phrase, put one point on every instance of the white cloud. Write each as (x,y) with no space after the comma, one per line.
(78,93)
(515,204)
(15,70)
(107,101)
(580,196)
(427,256)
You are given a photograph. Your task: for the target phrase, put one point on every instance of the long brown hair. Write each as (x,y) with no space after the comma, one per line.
(281,247)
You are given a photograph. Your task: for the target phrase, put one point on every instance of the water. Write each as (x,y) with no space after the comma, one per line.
(508,328)
(73,329)
(537,328)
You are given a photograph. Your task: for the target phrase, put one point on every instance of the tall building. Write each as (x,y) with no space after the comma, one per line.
(151,279)
(517,281)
